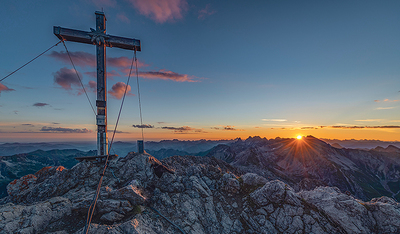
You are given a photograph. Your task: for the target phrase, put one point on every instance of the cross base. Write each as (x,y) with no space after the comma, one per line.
(98,158)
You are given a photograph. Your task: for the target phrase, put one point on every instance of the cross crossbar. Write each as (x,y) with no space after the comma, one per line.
(85,37)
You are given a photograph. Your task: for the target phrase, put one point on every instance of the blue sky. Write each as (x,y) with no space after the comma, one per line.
(210,69)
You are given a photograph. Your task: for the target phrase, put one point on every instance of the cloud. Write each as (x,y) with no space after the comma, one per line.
(386,100)
(5,88)
(274,120)
(167,75)
(161,122)
(112,131)
(161,10)
(92,86)
(384,108)
(118,90)
(227,128)
(207,11)
(123,62)
(122,17)
(80,58)
(66,78)
(84,59)
(231,128)
(55,123)
(40,104)
(143,126)
(65,130)
(308,128)
(361,127)
(183,129)
(369,120)
(28,125)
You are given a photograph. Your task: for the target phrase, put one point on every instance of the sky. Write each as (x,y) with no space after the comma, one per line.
(207,70)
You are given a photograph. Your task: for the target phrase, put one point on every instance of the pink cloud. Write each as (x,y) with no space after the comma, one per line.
(84,59)
(207,11)
(386,100)
(167,75)
(118,90)
(66,78)
(161,10)
(124,62)
(79,58)
(5,88)
(122,17)
(92,86)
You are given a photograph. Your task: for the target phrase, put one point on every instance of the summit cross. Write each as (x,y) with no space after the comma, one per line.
(102,40)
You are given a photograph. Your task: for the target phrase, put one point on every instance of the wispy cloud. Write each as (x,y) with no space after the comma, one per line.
(143,126)
(167,75)
(227,128)
(207,11)
(308,128)
(122,17)
(361,127)
(118,90)
(66,78)
(183,129)
(274,120)
(40,104)
(385,108)
(65,130)
(161,11)
(369,120)
(4,88)
(92,86)
(123,62)
(80,58)
(84,59)
(28,125)
(386,100)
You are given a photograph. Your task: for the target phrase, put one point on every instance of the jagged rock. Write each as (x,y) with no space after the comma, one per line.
(18,186)
(355,216)
(203,195)
(275,192)
(251,181)
(130,193)
(111,217)
(33,218)
(230,184)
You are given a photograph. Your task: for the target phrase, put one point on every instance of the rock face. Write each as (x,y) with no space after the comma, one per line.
(200,195)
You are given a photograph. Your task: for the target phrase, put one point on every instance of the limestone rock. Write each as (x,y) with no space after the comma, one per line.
(111,217)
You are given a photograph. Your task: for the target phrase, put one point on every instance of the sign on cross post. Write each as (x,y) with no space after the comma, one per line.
(102,40)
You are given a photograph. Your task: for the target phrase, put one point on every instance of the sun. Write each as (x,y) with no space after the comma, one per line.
(299,137)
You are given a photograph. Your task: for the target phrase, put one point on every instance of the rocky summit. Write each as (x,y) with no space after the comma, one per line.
(183,194)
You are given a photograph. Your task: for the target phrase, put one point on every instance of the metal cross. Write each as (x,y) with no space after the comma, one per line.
(102,40)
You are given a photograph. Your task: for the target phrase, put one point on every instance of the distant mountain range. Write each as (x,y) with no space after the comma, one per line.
(310,162)
(360,144)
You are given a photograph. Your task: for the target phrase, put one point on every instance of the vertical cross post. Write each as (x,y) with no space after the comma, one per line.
(102,40)
(101,102)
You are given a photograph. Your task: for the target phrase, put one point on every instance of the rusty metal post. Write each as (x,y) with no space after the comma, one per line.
(101,102)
